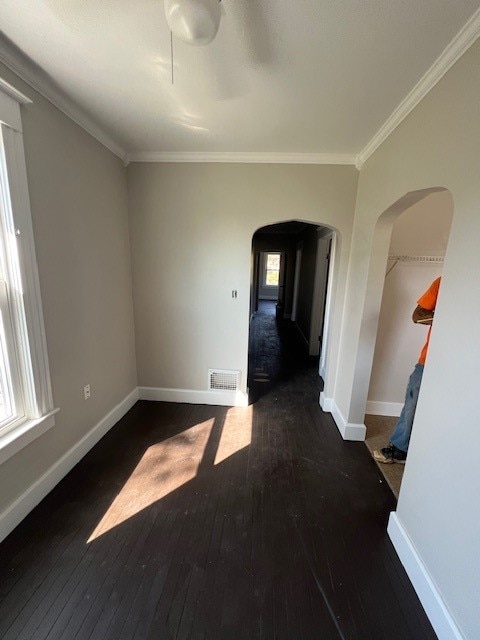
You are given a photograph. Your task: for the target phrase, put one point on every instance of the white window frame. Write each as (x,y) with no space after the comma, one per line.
(266,269)
(13,399)
(24,300)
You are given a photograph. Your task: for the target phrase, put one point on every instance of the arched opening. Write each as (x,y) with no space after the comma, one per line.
(419,231)
(291,275)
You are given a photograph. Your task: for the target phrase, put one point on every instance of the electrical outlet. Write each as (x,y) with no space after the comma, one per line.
(86,391)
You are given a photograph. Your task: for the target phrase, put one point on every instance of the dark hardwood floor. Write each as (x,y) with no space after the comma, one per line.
(199,522)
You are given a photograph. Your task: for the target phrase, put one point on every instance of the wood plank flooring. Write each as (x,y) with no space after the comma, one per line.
(197,522)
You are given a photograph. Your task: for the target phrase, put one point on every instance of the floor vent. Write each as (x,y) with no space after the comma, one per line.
(223,380)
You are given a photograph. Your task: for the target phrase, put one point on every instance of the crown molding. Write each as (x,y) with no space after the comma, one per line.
(13,58)
(41,82)
(260,158)
(19,97)
(457,47)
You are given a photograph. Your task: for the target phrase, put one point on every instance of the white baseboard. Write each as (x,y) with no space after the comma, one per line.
(348,430)
(376,408)
(190,396)
(16,512)
(435,608)
(325,403)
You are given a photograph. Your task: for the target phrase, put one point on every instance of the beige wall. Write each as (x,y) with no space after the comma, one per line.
(191,232)
(436,146)
(424,228)
(79,211)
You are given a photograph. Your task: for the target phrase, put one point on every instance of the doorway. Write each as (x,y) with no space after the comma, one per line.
(417,248)
(289,297)
(271,278)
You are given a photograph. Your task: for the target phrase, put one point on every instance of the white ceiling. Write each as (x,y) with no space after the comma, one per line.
(281,77)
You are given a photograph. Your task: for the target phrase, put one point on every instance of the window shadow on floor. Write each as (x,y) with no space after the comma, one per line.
(195,521)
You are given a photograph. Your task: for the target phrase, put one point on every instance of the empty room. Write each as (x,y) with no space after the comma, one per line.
(216,221)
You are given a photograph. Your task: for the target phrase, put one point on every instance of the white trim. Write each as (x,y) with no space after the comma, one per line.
(16,439)
(260,158)
(37,369)
(454,50)
(432,601)
(30,374)
(320,284)
(191,396)
(18,510)
(377,408)
(19,97)
(348,430)
(10,110)
(327,312)
(36,77)
(325,403)
(39,80)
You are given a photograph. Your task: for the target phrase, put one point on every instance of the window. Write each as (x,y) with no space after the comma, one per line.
(26,404)
(11,400)
(272,269)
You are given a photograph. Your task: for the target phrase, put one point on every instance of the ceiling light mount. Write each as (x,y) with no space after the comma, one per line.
(195,22)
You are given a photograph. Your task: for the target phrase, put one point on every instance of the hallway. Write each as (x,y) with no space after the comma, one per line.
(278,358)
(201,522)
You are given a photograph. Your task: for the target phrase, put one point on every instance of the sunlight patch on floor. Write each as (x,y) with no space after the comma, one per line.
(236,432)
(163,468)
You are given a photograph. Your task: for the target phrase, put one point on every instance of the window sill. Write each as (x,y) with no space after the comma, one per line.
(14,441)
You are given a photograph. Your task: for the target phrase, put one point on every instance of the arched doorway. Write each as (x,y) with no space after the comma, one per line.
(418,243)
(290,293)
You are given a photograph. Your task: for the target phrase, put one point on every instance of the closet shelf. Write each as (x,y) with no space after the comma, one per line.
(416,258)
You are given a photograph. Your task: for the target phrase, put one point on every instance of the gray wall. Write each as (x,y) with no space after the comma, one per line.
(79,211)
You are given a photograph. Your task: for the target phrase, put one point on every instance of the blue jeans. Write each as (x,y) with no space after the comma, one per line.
(401,433)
